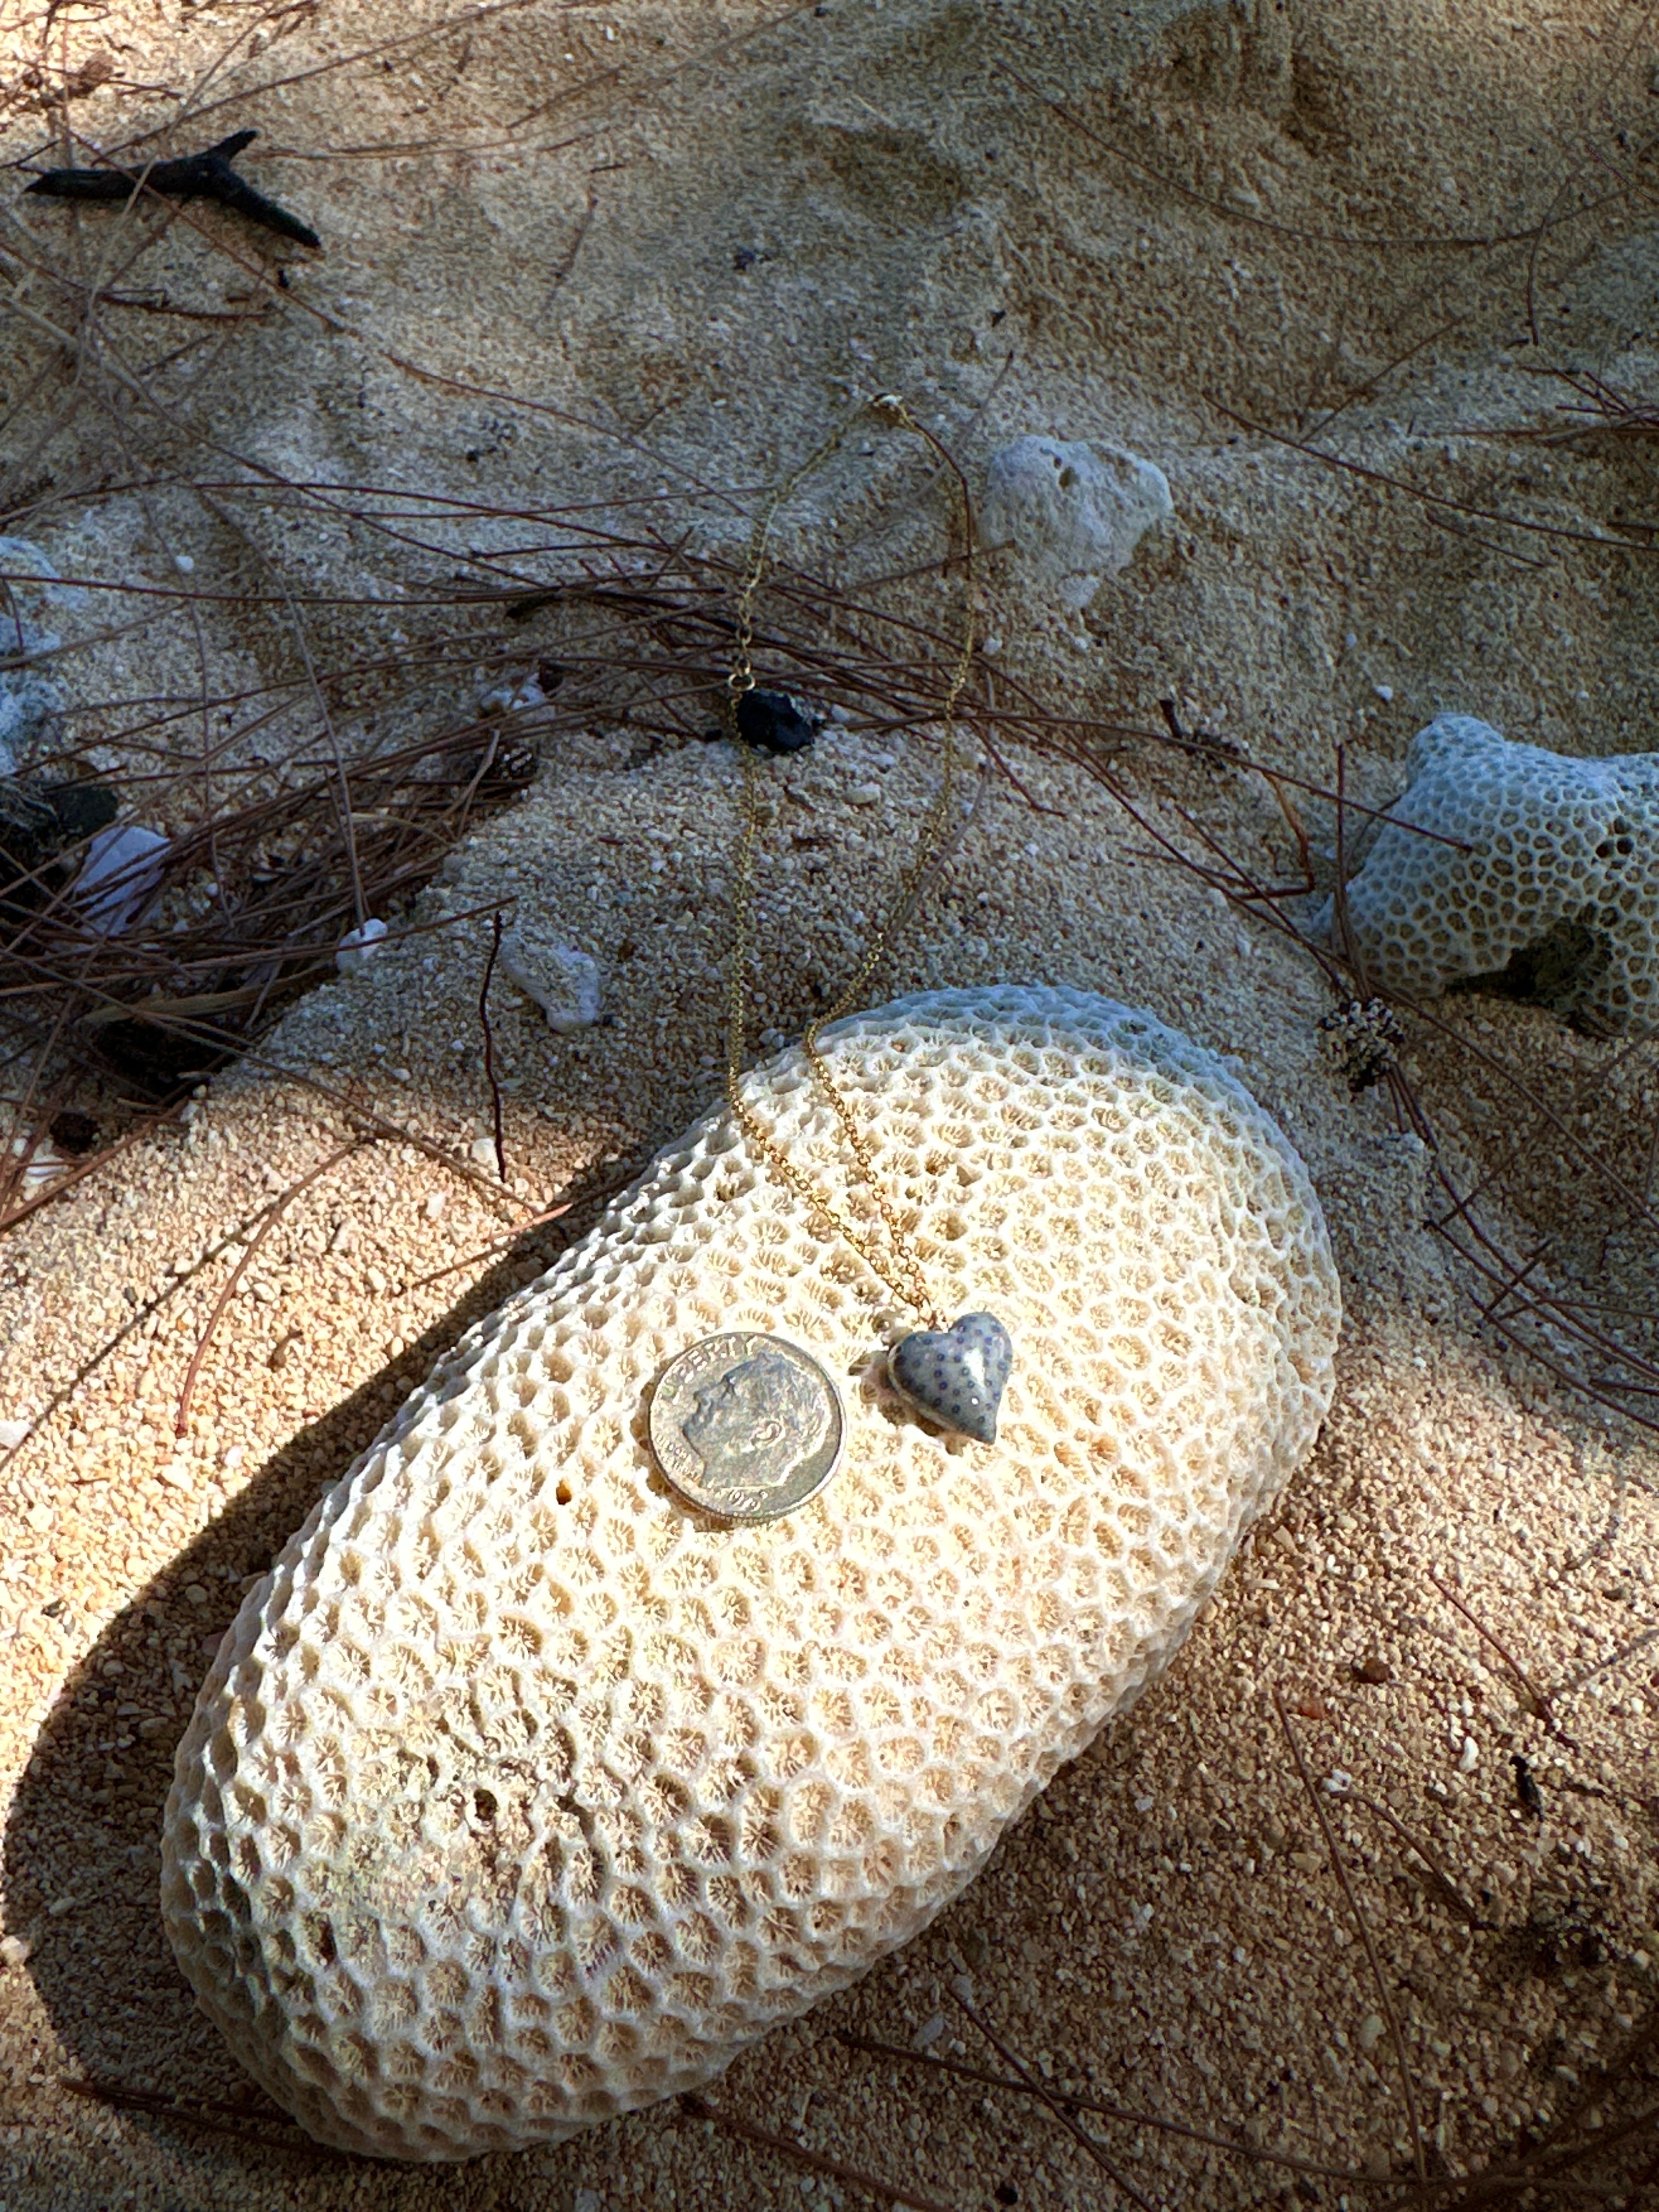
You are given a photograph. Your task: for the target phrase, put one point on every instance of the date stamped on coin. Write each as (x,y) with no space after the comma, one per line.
(747,1425)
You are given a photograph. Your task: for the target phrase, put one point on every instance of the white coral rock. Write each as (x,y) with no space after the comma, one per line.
(563,982)
(1075,513)
(359,946)
(520,1794)
(1532,854)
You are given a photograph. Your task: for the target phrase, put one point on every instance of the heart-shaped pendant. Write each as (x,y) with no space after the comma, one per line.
(956,1374)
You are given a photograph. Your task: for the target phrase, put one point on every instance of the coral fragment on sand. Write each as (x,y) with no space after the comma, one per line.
(520,1794)
(358,945)
(1072,514)
(563,982)
(1539,876)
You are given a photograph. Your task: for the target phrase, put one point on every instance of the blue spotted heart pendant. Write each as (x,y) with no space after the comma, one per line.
(956,1374)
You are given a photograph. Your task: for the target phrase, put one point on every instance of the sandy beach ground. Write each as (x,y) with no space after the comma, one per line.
(639,263)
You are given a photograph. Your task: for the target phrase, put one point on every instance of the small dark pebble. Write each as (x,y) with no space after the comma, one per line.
(73,1133)
(1527,1793)
(744,258)
(53,1609)
(38,820)
(1374,1669)
(776,723)
(81,808)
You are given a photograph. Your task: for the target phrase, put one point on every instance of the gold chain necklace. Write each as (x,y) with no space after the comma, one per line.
(955,1374)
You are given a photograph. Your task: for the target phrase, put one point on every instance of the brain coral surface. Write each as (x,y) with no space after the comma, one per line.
(521,1794)
(1532,851)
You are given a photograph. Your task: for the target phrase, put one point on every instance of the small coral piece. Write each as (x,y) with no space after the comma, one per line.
(563,982)
(1073,514)
(1361,1040)
(358,947)
(520,1794)
(1541,878)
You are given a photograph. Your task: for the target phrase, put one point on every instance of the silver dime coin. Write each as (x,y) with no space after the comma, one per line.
(747,1425)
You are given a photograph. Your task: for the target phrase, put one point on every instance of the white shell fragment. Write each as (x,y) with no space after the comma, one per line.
(42,1162)
(358,947)
(1072,512)
(120,877)
(522,1793)
(1531,852)
(563,982)
(517,695)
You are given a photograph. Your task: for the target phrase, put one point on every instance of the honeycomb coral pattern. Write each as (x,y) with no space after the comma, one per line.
(521,1794)
(1532,854)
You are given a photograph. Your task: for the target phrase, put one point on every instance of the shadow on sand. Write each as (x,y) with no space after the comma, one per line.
(83,1844)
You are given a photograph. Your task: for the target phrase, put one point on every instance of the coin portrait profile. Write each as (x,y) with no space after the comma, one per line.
(755,1424)
(746,1426)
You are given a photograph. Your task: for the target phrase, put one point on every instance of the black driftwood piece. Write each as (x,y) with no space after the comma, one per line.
(199,176)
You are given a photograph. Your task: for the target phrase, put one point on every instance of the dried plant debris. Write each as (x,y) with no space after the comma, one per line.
(1528,1794)
(266,890)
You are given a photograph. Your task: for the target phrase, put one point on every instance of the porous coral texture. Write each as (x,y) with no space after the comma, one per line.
(520,1794)
(1530,854)
(1071,516)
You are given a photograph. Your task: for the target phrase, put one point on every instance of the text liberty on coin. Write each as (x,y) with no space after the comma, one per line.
(747,1425)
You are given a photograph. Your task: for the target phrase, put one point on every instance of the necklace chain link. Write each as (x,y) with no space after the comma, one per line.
(899,1267)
